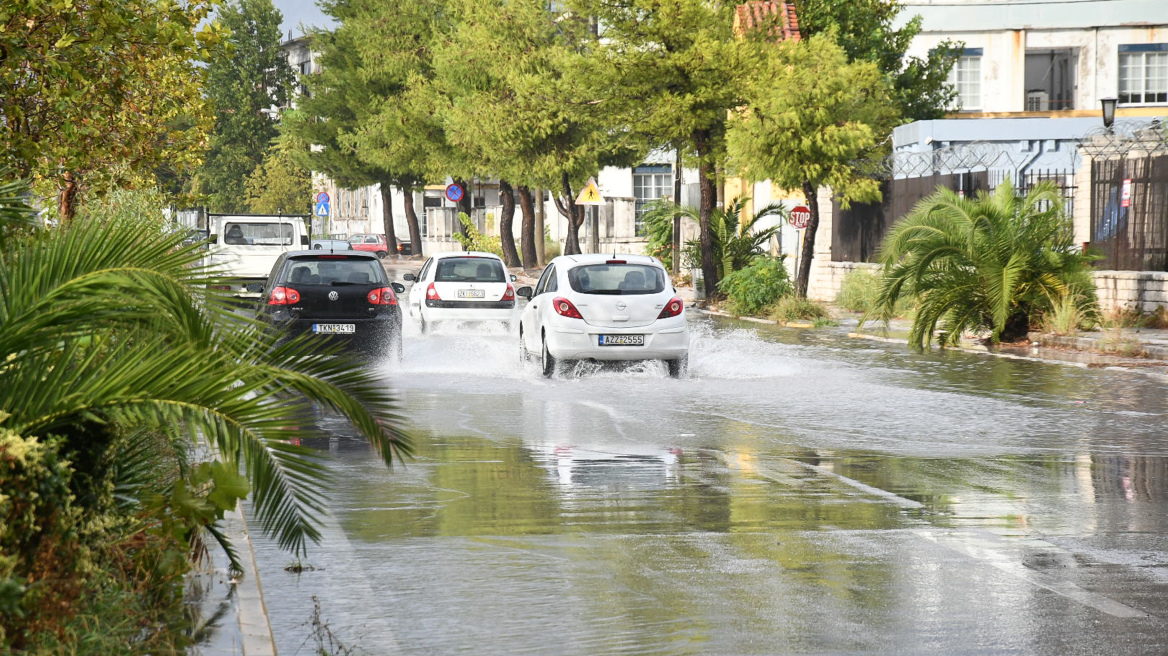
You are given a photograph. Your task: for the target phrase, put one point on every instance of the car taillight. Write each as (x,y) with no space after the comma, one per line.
(382,296)
(564,308)
(432,294)
(509,295)
(284,296)
(672,309)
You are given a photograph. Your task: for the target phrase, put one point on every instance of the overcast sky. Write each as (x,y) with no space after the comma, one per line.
(297,12)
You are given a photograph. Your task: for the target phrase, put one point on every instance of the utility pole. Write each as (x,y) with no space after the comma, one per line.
(677,214)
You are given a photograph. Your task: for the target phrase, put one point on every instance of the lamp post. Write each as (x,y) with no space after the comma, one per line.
(1108,105)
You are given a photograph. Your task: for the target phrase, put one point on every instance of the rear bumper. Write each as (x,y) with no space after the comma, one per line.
(469,311)
(581,344)
(371,335)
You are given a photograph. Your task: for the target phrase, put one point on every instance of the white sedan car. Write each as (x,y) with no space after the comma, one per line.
(604,307)
(461,286)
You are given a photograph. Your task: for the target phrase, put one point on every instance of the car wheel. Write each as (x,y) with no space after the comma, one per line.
(547,361)
(422,325)
(381,255)
(678,368)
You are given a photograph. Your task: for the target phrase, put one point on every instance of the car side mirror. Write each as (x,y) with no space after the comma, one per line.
(514,277)
(398,288)
(525,291)
(409,277)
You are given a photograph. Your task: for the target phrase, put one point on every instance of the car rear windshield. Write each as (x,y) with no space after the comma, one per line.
(617,278)
(470,269)
(258,234)
(337,270)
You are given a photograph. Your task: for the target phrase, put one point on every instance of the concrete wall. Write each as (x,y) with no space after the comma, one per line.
(1139,290)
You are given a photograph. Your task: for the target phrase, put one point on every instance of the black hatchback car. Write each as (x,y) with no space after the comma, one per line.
(339,296)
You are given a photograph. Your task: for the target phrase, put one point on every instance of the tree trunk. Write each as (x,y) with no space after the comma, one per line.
(527,233)
(709,191)
(506,220)
(540,227)
(387,218)
(804,273)
(412,219)
(67,205)
(574,216)
(464,205)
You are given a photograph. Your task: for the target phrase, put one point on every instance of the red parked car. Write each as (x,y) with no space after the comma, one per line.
(372,243)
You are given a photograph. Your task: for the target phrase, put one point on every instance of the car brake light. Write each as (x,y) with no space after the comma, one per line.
(382,296)
(509,295)
(615,262)
(284,296)
(432,294)
(672,308)
(564,308)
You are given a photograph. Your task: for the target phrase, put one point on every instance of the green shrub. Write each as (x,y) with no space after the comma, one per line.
(1070,314)
(751,289)
(859,290)
(474,240)
(792,308)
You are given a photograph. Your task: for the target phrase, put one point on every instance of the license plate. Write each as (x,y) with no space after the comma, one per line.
(472,293)
(622,340)
(334,328)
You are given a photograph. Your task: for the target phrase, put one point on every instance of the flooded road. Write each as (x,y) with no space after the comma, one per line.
(801,492)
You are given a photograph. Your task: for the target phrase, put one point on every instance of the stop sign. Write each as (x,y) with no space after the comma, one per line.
(800,216)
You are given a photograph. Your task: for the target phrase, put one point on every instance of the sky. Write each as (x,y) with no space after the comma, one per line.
(300,11)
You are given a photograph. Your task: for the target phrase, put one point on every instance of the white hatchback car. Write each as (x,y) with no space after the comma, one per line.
(462,286)
(604,307)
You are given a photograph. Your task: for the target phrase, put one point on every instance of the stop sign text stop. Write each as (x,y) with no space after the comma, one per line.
(800,216)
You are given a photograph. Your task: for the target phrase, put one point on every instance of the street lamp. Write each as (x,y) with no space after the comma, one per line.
(1108,111)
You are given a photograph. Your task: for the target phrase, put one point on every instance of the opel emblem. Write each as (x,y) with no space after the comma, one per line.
(620,305)
(333,296)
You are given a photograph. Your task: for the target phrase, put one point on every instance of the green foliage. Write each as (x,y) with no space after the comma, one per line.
(860,292)
(736,243)
(474,240)
(760,284)
(1069,314)
(104,93)
(244,81)
(989,264)
(809,123)
(866,30)
(793,308)
(280,185)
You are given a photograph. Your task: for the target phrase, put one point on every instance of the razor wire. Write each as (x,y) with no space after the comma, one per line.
(1146,138)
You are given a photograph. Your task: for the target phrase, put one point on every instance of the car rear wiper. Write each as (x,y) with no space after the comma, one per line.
(345,282)
(614,292)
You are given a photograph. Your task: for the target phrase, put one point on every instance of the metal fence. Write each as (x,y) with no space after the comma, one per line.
(858,230)
(1129,213)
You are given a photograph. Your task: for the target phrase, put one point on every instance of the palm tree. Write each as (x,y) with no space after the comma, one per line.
(988,264)
(735,242)
(108,328)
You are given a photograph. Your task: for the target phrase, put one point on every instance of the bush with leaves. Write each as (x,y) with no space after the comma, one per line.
(761,283)
(474,240)
(117,349)
(736,242)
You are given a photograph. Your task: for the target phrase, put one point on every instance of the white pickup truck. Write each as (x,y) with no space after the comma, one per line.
(243,247)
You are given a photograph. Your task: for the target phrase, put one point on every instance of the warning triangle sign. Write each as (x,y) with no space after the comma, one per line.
(590,195)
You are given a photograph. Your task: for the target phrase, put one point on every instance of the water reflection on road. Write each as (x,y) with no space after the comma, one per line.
(800,493)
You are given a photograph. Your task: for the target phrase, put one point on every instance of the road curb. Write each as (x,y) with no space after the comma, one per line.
(258,639)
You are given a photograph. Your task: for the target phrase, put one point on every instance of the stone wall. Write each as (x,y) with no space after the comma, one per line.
(1140,290)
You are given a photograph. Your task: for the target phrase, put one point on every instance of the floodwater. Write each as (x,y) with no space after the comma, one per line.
(800,493)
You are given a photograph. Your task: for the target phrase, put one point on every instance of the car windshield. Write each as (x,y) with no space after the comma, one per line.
(332,271)
(469,269)
(258,234)
(617,278)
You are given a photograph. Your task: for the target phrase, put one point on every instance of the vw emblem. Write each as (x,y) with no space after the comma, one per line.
(620,305)
(333,296)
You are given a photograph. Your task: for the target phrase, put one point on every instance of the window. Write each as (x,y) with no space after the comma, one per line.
(650,183)
(965,77)
(617,278)
(470,269)
(1143,74)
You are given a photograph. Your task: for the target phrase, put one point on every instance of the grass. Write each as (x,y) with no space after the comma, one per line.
(860,289)
(792,309)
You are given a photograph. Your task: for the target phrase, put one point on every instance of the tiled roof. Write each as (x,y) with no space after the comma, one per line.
(760,13)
